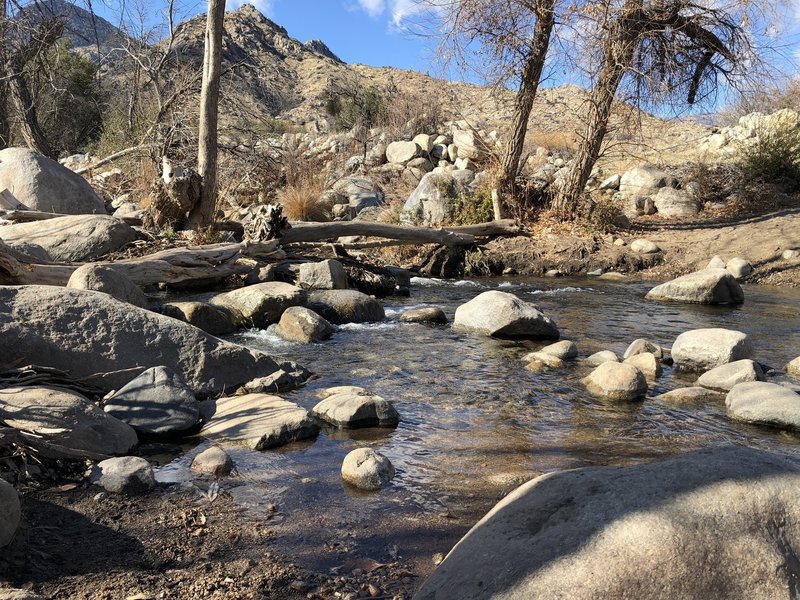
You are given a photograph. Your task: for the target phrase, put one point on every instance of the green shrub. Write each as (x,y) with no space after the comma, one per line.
(466,208)
(361,106)
(775,156)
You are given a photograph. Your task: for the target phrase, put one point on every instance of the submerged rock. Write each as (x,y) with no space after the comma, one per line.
(346,306)
(10,513)
(704,349)
(616,382)
(124,475)
(690,395)
(366,469)
(104,279)
(501,314)
(427,314)
(724,377)
(723,521)
(351,407)
(710,286)
(764,404)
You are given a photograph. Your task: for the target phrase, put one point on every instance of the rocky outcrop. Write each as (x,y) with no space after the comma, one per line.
(76,238)
(129,475)
(366,469)
(42,184)
(501,314)
(65,418)
(616,382)
(260,305)
(346,306)
(764,404)
(709,286)
(704,349)
(95,337)
(99,278)
(352,407)
(669,529)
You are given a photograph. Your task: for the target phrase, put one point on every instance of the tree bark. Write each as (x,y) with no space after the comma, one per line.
(523,104)
(5,121)
(29,123)
(203,213)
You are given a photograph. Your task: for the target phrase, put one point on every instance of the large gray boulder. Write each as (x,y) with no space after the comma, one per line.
(104,279)
(156,402)
(352,407)
(709,286)
(764,404)
(107,342)
(713,523)
(643,180)
(65,418)
(10,514)
(431,201)
(42,184)
(299,324)
(323,275)
(501,314)
(211,319)
(258,421)
(260,305)
(676,203)
(705,349)
(470,144)
(76,238)
(402,152)
(129,475)
(346,306)
(724,377)
(616,382)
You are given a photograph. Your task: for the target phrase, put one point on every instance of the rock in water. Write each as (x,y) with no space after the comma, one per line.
(65,418)
(346,306)
(563,350)
(213,461)
(76,238)
(324,275)
(706,524)
(793,368)
(85,333)
(99,278)
(690,395)
(710,286)
(42,184)
(501,314)
(724,377)
(764,404)
(604,356)
(647,363)
(366,469)
(617,382)
(156,402)
(259,421)
(124,475)
(704,349)
(10,513)
(427,314)
(352,407)
(299,324)
(260,305)
(211,319)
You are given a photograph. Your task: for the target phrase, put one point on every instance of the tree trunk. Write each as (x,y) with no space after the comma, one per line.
(529,85)
(203,213)
(5,121)
(29,123)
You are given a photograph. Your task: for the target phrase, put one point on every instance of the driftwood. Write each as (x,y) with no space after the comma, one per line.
(314,232)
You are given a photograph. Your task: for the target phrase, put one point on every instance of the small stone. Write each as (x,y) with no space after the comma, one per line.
(564,350)
(616,382)
(366,469)
(124,475)
(739,268)
(353,407)
(639,346)
(791,254)
(213,461)
(539,361)
(689,395)
(647,363)
(604,356)
(643,246)
(716,263)
(595,273)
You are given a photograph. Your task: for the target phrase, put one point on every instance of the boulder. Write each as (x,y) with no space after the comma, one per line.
(258,421)
(469,144)
(402,152)
(501,314)
(643,180)
(643,246)
(704,349)
(676,203)
(99,278)
(604,356)
(76,238)
(647,363)
(65,418)
(324,275)
(42,184)
(716,263)
(616,382)
(427,314)
(156,402)
(213,461)
(10,513)
(352,407)
(689,395)
(286,378)
(107,342)
(724,377)
(211,319)
(640,345)
(130,475)
(260,305)
(721,522)
(739,268)
(793,368)
(710,286)
(431,201)
(563,350)
(611,183)
(35,251)
(299,324)
(366,469)
(346,306)
(425,142)
(764,404)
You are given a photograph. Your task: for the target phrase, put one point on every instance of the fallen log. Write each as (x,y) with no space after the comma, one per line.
(315,232)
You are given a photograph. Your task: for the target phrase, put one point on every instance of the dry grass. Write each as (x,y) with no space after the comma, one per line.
(303,201)
(554,141)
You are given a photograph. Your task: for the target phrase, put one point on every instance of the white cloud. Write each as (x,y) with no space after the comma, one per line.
(263,6)
(374,8)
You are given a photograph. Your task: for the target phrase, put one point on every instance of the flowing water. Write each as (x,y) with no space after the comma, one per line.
(476,423)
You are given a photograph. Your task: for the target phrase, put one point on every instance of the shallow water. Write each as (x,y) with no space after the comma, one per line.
(476,423)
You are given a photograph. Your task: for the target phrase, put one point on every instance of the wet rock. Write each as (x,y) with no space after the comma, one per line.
(260,305)
(156,402)
(76,238)
(501,314)
(690,395)
(10,513)
(211,319)
(604,356)
(259,421)
(739,268)
(616,382)
(65,418)
(724,377)
(213,461)
(99,278)
(353,407)
(42,184)
(130,475)
(640,346)
(366,469)
(541,361)
(647,363)
(428,314)
(563,350)
(643,246)
(302,325)
(710,286)
(346,306)
(764,404)
(72,330)
(288,376)
(793,368)
(324,275)
(656,530)
(704,349)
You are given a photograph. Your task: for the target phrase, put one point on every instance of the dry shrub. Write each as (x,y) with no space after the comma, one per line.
(555,141)
(303,201)
(146,173)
